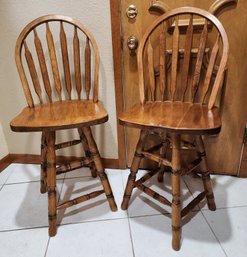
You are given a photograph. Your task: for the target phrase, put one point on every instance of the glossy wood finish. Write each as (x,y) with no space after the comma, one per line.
(177,117)
(188,107)
(64,102)
(117,60)
(60,115)
(233,18)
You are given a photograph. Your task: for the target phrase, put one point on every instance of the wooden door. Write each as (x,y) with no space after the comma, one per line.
(224,150)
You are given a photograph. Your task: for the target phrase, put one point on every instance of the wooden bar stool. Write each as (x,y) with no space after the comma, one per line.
(67,93)
(181,68)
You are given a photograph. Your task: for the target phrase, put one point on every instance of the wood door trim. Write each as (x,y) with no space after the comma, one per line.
(117,61)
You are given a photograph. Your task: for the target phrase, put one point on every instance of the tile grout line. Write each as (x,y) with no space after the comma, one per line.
(46,250)
(201,210)
(128,218)
(131,238)
(214,233)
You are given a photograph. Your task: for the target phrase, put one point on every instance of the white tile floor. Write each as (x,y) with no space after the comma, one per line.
(92,230)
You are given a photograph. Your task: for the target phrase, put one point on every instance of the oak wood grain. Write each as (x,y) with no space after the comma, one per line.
(175,116)
(60,115)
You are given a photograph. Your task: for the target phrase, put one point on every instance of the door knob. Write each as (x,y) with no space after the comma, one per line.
(131,12)
(132,43)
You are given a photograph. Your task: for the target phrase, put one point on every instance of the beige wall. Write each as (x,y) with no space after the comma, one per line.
(3,145)
(14,15)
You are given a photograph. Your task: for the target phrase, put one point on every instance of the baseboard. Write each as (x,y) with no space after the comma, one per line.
(35,159)
(5,162)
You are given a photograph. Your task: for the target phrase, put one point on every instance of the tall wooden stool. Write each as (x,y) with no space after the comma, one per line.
(66,87)
(181,66)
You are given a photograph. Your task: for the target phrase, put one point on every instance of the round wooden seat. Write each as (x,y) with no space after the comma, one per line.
(60,115)
(190,118)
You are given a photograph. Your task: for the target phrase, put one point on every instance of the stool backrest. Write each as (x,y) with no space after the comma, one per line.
(180,63)
(60,57)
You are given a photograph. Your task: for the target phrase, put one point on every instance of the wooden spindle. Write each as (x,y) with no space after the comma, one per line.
(162,63)
(64,49)
(33,72)
(193,204)
(176,188)
(51,183)
(153,194)
(186,61)
(210,68)
(87,68)
(175,49)
(77,64)
(54,64)
(199,60)
(150,53)
(42,64)
(80,199)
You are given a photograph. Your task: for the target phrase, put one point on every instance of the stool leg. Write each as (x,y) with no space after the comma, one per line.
(43,172)
(205,174)
(163,153)
(133,171)
(176,204)
(99,167)
(87,152)
(51,183)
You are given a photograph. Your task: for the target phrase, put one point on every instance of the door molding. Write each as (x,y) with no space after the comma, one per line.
(117,61)
(158,7)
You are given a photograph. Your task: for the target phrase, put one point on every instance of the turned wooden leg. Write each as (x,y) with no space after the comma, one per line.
(87,152)
(176,204)
(99,167)
(51,183)
(43,172)
(133,171)
(205,174)
(163,153)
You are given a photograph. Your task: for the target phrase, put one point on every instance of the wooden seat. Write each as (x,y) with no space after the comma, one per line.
(181,67)
(64,95)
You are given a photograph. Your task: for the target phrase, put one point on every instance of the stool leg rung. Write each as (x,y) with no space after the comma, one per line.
(72,166)
(147,176)
(153,194)
(193,204)
(80,199)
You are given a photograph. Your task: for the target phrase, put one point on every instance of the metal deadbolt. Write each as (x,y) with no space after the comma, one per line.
(131,12)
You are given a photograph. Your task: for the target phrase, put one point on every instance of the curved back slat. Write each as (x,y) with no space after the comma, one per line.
(48,60)
(33,72)
(187,55)
(87,68)
(193,72)
(53,58)
(175,48)
(42,65)
(162,53)
(199,60)
(65,56)
(150,53)
(77,63)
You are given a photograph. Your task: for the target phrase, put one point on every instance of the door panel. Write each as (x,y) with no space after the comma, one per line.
(224,150)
